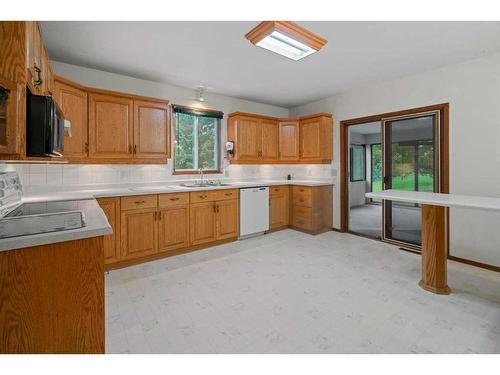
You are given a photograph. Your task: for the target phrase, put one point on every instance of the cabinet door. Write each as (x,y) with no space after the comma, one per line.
(111,208)
(11,99)
(35,69)
(202,223)
(139,232)
(289,141)
(227,219)
(151,130)
(270,135)
(110,126)
(310,139)
(278,211)
(173,228)
(248,138)
(73,102)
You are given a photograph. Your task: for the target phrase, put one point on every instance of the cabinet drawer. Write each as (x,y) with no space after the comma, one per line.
(167,200)
(278,190)
(302,217)
(227,194)
(203,196)
(139,201)
(302,196)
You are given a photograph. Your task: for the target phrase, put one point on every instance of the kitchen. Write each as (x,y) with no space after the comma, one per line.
(181,201)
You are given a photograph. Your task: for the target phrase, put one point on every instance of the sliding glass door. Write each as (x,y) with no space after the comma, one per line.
(410,162)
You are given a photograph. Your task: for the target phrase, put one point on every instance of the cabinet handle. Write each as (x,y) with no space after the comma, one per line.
(203,196)
(155,216)
(140,202)
(37,82)
(135,149)
(215,208)
(159,215)
(174,199)
(228,194)
(129,149)
(87,147)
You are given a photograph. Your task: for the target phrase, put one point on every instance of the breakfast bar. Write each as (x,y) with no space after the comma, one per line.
(434,229)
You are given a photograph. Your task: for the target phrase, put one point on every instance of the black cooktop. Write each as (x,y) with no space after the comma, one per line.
(50,207)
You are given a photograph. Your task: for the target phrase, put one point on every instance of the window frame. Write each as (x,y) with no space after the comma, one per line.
(198,113)
(351,164)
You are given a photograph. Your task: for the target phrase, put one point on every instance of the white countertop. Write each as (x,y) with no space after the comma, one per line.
(117,190)
(437,199)
(96,221)
(96,225)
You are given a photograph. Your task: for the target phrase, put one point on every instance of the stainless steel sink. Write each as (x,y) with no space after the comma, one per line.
(198,185)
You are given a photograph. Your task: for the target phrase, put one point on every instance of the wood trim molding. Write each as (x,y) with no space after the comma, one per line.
(344,125)
(195,172)
(287,28)
(92,90)
(281,119)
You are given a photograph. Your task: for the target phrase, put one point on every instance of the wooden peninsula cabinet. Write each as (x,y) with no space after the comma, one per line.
(312,208)
(268,140)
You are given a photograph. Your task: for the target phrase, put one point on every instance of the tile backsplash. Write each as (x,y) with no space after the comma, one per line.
(84,174)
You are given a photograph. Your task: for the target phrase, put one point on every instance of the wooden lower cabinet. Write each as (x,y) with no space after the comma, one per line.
(173,231)
(139,233)
(312,208)
(279,213)
(111,208)
(227,219)
(203,223)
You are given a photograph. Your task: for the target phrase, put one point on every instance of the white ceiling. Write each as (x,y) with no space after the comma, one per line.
(217,55)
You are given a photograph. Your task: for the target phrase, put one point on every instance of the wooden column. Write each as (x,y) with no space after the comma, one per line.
(434,248)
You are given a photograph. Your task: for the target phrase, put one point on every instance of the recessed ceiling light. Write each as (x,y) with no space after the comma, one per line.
(285,38)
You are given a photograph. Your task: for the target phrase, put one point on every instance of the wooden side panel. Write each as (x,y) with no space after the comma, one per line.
(73,102)
(13,51)
(110,126)
(227,219)
(139,233)
(434,249)
(151,129)
(111,208)
(270,140)
(173,228)
(289,141)
(11,117)
(52,298)
(202,223)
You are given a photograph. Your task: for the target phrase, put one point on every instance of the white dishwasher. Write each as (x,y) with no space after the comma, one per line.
(254,211)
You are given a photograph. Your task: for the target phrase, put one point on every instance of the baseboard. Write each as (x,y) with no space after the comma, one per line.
(474,263)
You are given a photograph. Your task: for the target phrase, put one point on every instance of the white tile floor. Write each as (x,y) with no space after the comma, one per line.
(289,292)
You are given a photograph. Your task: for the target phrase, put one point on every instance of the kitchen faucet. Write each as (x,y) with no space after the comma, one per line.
(201,176)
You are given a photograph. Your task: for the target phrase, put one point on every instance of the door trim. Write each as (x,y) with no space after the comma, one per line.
(443,108)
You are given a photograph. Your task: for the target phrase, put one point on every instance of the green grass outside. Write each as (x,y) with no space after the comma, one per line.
(425,183)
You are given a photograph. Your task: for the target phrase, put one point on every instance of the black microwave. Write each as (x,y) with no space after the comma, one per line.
(44,126)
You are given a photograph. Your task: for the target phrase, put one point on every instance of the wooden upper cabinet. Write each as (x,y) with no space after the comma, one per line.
(269,149)
(248,136)
(316,138)
(262,139)
(289,140)
(11,102)
(13,51)
(310,139)
(73,101)
(34,51)
(151,130)
(110,126)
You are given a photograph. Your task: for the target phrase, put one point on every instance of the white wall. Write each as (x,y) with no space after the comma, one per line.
(473,91)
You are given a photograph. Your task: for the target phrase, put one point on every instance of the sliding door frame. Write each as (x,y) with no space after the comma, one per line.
(344,149)
(387,171)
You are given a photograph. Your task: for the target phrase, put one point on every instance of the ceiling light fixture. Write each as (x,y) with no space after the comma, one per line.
(199,94)
(285,38)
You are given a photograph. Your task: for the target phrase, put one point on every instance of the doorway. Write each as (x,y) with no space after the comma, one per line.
(405,150)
